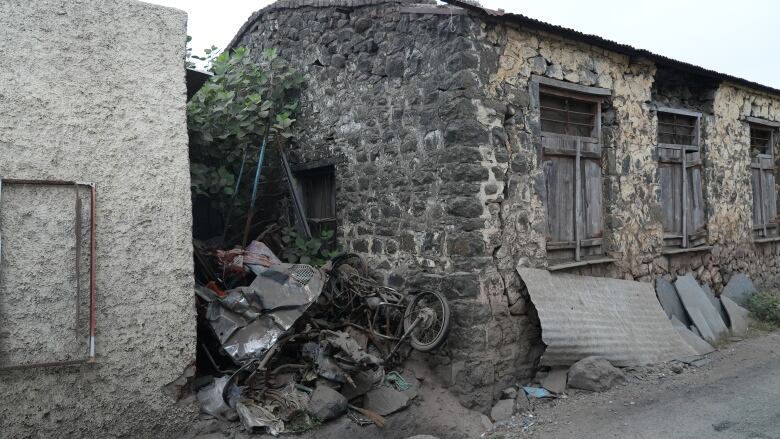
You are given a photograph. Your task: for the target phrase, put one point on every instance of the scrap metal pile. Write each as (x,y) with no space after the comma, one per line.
(290,345)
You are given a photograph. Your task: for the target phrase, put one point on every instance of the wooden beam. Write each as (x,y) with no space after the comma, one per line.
(677,251)
(765,122)
(584,89)
(680,111)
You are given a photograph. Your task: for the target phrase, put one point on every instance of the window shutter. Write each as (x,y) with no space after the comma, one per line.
(696,221)
(559,171)
(764,203)
(592,204)
(680,178)
(574,211)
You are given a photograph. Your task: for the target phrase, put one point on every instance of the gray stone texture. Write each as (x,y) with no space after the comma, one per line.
(670,301)
(595,374)
(326,404)
(699,307)
(434,122)
(77,106)
(696,342)
(739,317)
(739,289)
(502,410)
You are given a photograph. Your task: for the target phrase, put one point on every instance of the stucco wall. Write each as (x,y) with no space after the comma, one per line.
(93,90)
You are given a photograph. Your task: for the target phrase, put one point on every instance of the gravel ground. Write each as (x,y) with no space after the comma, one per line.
(735,395)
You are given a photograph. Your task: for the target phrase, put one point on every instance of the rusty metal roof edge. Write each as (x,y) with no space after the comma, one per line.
(604,43)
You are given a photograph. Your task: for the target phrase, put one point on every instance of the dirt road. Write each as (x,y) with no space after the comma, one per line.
(737,395)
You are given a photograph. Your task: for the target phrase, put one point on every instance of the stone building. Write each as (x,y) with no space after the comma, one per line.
(455,138)
(76,108)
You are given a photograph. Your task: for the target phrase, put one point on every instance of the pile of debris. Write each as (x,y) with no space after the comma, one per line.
(290,346)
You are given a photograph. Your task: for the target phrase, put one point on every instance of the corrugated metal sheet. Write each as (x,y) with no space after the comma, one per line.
(617,319)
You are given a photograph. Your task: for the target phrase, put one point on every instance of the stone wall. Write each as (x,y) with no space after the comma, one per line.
(75,106)
(431,117)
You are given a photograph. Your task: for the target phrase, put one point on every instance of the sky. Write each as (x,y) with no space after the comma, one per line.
(739,38)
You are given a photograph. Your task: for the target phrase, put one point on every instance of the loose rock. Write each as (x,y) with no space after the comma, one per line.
(326,403)
(509,393)
(594,373)
(503,410)
(385,401)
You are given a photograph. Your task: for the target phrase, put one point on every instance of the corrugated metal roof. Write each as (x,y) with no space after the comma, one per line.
(595,40)
(617,319)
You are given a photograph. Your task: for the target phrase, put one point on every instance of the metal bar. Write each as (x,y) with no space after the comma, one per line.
(570,111)
(92,273)
(92,265)
(49,364)
(77,229)
(1,234)
(565,122)
(47,182)
(229,215)
(251,212)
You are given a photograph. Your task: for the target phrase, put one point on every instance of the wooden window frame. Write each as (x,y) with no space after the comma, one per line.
(694,147)
(303,176)
(763,227)
(547,86)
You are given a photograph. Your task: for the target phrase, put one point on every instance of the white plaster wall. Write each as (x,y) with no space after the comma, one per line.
(94,90)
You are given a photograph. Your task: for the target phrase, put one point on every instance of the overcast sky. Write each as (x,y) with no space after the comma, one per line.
(740,38)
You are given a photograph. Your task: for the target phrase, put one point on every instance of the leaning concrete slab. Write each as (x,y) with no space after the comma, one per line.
(716,303)
(739,289)
(670,301)
(617,319)
(740,317)
(697,343)
(700,309)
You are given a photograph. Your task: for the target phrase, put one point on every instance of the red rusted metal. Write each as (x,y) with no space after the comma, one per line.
(92,268)
(92,273)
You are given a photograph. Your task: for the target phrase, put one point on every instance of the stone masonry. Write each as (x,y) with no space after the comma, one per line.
(429,113)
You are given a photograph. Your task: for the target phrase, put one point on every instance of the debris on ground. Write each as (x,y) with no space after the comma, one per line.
(287,347)
(537,392)
(596,374)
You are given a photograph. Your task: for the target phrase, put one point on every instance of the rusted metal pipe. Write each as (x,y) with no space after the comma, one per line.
(92,273)
(92,265)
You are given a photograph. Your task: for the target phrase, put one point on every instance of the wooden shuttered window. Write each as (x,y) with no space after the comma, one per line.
(571,157)
(680,174)
(318,187)
(762,170)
